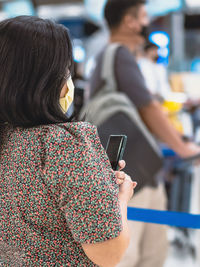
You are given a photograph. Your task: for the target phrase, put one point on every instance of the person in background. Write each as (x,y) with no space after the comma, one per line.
(155,74)
(128,21)
(61,204)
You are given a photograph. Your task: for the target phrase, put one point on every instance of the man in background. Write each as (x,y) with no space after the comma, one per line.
(155,74)
(128,21)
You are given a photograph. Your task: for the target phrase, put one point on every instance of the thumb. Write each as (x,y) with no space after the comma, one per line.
(134,184)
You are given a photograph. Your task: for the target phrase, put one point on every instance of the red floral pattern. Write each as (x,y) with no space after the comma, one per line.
(57,190)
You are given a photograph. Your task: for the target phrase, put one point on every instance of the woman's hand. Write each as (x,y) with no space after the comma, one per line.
(126,185)
(126,189)
(119,174)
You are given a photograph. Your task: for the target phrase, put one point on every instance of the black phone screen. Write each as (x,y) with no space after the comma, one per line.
(115,149)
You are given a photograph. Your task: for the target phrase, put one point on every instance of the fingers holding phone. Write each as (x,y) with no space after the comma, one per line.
(121,164)
(120,175)
(126,189)
(115,150)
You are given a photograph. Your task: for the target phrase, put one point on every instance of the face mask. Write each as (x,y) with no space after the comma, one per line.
(145,32)
(67,100)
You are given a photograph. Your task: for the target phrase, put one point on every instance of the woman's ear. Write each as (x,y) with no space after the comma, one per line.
(64,90)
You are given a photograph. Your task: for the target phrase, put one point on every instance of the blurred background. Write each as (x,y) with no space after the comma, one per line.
(175,29)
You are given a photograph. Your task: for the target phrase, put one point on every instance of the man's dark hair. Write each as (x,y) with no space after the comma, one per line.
(115,10)
(35,57)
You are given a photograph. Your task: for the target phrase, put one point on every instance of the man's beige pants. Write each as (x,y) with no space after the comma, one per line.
(148,245)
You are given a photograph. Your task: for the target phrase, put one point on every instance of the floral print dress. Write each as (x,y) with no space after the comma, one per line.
(57,191)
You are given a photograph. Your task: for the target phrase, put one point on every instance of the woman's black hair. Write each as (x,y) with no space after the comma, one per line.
(115,10)
(35,57)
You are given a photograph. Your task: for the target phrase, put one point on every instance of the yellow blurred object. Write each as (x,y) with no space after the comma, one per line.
(172,109)
(172,106)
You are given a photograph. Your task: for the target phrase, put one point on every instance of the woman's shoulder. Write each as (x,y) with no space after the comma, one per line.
(71,127)
(73,131)
(75,140)
(57,137)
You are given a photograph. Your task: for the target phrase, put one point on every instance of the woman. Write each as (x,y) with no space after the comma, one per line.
(60,202)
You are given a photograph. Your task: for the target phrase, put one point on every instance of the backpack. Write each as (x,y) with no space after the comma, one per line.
(114,113)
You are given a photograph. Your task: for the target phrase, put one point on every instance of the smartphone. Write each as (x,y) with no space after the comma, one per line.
(115,149)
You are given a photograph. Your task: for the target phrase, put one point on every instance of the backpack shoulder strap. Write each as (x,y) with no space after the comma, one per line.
(108,66)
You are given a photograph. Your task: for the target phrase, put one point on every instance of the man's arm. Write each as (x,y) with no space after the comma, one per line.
(159,124)
(131,82)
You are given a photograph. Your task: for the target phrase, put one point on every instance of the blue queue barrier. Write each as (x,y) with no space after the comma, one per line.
(170,218)
(177,219)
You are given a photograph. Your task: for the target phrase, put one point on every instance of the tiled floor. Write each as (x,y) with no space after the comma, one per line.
(185,251)
(181,262)
(181,252)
